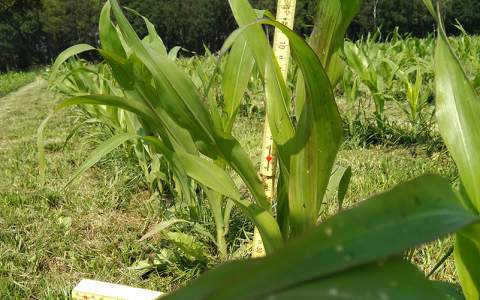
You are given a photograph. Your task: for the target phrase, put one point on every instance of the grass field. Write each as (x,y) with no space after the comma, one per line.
(50,237)
(11,81)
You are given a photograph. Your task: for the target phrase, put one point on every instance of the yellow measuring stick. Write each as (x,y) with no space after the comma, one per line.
(97,290)
(281,48)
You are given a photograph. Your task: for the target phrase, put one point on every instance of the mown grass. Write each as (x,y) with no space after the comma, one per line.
(12,80)
(50,237)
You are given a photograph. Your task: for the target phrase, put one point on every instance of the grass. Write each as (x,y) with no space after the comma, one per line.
(50,238)
(12,80)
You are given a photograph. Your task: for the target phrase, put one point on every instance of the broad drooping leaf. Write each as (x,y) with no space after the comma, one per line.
(451,290)
(339,182)
(378,228)
(136,107)
(153,39)
(394,280)
(390,280)
(108,34)
(353,246)
(66,54)
(209,174)
(313,149)
(458,111)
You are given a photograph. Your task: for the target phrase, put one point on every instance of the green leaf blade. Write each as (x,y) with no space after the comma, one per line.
(467,260)
(209,174)
(411,214)
(405,217)
(394,280)
(236,76)
(108,34)
(65,55)
(458,108)
(102,150)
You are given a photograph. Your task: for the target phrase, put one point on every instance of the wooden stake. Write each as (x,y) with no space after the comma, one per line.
(281,48)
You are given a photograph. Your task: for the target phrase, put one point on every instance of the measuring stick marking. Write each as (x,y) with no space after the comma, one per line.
(281,48)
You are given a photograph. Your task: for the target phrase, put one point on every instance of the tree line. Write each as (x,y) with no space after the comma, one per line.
(33,32)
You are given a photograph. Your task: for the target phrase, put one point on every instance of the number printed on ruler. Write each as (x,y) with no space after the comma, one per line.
(281,45)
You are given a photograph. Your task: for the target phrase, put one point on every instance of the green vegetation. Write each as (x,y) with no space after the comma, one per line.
(51,237)
(458,104)
(11,81)
(333,263)
(150,179)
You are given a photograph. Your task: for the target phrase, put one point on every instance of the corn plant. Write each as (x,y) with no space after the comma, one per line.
(77,77)
(127,125)
(408,50)
(417,93)
(351,94)
(375,71)
(458,108)
(397,70)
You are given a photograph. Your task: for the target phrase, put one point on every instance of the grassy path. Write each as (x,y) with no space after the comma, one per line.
(13,112)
